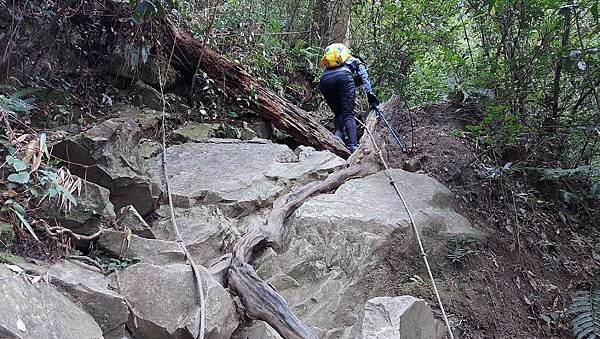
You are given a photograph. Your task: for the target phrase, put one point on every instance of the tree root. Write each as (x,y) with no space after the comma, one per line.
(57,231)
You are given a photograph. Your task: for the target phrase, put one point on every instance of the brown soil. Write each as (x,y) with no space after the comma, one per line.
(532,258)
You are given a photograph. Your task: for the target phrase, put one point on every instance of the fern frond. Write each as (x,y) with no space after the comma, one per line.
(585,306)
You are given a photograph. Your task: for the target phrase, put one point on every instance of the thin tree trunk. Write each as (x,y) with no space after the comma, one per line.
(553,119)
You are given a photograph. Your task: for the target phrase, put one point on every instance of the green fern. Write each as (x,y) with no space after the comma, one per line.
(586,309)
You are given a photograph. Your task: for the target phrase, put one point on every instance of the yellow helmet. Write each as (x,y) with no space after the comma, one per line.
(335,55)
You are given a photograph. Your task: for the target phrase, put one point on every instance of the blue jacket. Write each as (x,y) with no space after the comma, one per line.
(355,66)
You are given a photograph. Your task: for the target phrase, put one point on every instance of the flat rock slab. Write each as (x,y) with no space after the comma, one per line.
(243,175)
(331,242)
(159,252)
(39,311)
(164,303)
(257,329)
(88,288)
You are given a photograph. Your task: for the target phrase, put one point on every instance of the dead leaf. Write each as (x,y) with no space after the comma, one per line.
(21,138)
(527,301)
(14,268)
(21,325)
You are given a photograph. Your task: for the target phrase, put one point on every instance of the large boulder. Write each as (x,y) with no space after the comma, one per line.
(88,288)
(243,176)
(333,241)
(164,302)
(205,230)
(107,155)
(93,209)
(36,310)
(404,317)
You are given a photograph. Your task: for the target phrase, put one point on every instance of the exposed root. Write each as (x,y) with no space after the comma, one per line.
(91,262)
(57,231)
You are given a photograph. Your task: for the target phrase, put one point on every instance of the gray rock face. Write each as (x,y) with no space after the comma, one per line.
(242,176)
(206,232)
(87,287)
(257,330)
(331,243)
(157,252)
(196,132)
(164,304)
(107,155)
(38,311)
(402,317)
(93,208)
(129,218)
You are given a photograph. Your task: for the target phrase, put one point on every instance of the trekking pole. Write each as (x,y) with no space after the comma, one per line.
(391,129)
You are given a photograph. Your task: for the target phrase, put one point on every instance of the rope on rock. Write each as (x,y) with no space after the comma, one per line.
(413,224)
(198,278)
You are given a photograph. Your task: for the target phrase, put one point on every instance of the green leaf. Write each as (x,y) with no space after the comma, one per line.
(26,224)
(19,165)
(594,10)
(19,178)
(15,163)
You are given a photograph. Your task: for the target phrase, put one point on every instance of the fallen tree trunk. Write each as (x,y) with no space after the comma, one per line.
(263,101)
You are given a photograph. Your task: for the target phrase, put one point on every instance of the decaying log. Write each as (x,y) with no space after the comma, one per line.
(261,300)
(263,303)
(265,102)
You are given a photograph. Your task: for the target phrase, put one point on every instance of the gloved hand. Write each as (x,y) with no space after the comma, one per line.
(373,101)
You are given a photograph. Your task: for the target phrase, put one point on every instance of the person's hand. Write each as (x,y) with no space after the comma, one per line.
(373,101)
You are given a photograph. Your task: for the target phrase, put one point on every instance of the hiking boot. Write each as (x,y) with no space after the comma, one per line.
(352,148)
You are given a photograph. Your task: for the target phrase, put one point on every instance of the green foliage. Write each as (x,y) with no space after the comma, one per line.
(416,281)
(114,264)
(585,308)
(142,9)
(7,234)
(16,209)
(459,248)
(17,102)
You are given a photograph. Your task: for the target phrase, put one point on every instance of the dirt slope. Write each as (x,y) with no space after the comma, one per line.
(533,258)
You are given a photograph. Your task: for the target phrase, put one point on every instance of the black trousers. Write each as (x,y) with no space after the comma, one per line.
(339,91)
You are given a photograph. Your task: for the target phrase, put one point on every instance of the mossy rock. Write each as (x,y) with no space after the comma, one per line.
(7,234)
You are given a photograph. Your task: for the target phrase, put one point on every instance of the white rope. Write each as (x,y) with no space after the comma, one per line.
(414,227)
(196,271)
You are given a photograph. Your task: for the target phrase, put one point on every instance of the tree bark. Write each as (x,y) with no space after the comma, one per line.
(266,103)
(333,19)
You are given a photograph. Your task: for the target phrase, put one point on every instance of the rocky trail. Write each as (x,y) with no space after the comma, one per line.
(291,236)
(223,189)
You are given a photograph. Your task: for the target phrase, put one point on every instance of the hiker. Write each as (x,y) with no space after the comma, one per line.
(343,72)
